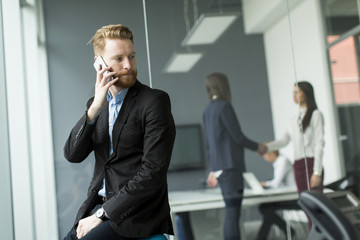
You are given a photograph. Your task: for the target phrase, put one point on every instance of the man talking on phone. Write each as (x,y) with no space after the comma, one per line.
(130,128)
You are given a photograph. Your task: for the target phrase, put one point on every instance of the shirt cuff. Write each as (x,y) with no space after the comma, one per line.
(317,173)
(92,122)
(218,173)
(106,214)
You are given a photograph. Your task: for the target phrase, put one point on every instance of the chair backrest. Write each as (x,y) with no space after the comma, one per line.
(328,222)
(350,183)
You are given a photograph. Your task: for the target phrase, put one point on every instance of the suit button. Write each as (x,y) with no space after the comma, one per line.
(107,166)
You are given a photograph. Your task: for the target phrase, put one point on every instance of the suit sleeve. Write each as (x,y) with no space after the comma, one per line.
(232,125)
(158,143)
(79,145)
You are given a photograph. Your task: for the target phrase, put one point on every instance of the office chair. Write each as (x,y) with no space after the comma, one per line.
(328,222)
(156,237)
(350,183)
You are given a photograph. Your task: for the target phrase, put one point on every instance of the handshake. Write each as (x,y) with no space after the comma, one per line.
(262,149)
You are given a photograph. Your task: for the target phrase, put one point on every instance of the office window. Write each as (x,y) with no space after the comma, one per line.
(340,16)
(168,33)
(343,29)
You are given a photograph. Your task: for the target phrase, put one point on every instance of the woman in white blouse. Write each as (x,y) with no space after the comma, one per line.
(306,132)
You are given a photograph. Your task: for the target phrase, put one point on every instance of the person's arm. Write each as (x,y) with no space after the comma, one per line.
(318,121)
(101,89)
(78,145)
(279,143)
(212,180)
(207,148)
(232,126)
(157,148)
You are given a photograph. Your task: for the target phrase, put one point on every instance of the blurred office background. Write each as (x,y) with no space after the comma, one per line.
(47,76)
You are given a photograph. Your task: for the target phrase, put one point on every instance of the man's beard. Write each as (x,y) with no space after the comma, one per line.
(126,81)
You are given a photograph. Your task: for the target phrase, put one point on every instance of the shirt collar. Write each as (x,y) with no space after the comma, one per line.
(119,98)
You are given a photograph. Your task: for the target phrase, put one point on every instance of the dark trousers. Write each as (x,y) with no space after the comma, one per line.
(232,190)
(300,175)
(103,231)
(270,216)
(183,226)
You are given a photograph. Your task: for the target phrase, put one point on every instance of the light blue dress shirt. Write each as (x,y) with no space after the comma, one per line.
(115,105)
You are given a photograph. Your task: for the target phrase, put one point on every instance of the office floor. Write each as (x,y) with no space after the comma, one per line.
(252,228)
(207,225)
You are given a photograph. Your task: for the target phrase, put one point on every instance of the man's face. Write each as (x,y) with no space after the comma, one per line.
(119,54)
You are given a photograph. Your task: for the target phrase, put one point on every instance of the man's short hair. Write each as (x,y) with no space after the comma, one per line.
(117,31)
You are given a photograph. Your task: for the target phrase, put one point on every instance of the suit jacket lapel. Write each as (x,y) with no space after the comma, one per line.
(123,115)
(104,126)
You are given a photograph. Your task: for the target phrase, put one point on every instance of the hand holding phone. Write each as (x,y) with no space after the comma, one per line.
(100,61)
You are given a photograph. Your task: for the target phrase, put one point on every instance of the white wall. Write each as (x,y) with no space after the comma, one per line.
(308,54)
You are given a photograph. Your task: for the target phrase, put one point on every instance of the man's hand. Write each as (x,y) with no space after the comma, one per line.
(212,180)
(86,224)
(101,89)
(262,149)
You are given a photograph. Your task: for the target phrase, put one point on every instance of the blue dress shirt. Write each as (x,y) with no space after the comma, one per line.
(115,105)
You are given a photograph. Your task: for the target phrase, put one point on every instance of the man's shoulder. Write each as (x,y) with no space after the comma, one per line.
(284,159)
(143,89)
(317,114)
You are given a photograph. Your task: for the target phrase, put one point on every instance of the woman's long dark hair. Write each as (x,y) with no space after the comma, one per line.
(217,84)
(308,90)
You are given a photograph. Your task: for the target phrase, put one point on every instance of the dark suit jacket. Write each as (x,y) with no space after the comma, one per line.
(135,174)
(224,138)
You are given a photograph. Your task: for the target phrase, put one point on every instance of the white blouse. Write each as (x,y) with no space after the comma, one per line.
(312,142)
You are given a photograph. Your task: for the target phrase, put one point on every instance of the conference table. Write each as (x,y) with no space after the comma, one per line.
(207,199)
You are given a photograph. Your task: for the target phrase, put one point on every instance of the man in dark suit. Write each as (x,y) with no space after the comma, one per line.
(130,128)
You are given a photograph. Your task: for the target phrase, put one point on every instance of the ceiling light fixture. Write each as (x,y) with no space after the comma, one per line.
(182,62)
(208,28)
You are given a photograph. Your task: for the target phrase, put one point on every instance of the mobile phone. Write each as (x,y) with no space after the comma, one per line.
(100,61)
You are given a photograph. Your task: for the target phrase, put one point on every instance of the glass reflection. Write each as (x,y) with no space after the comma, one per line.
(241,56)
(257,62)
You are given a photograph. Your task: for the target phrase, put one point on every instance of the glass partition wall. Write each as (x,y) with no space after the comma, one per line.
(259,76)
(191,39)
(188,41)
(264,50)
